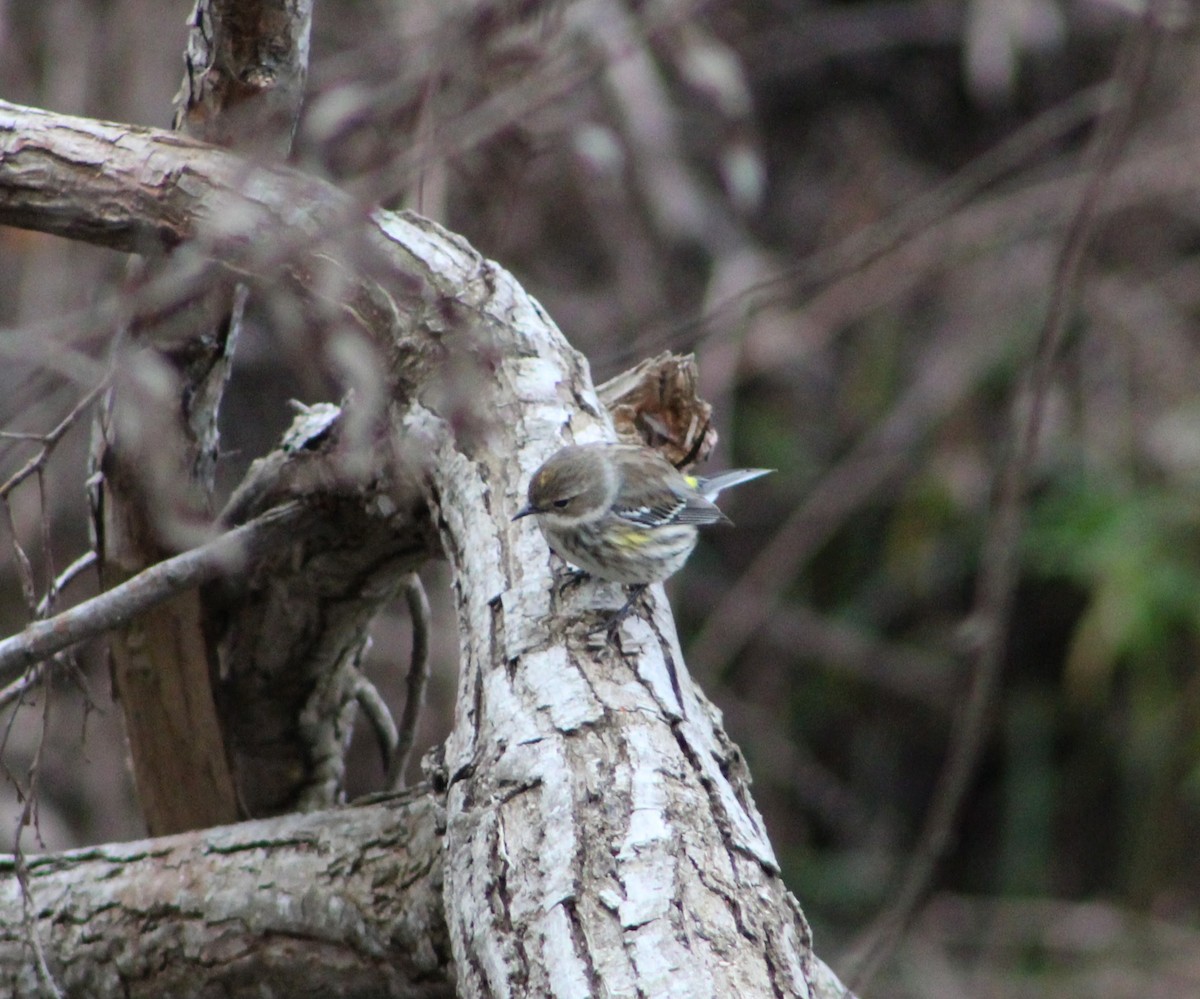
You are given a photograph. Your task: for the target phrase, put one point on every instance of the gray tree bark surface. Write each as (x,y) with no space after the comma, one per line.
(600,838)
(337,904)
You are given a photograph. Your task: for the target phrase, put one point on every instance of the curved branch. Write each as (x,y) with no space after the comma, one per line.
(595,840)
(418,678)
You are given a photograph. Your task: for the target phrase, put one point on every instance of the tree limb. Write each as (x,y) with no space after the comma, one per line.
(595,840)
(345,903)
(157,441)
(225,555)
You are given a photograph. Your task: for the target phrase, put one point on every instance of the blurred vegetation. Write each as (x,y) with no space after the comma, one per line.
(850,211)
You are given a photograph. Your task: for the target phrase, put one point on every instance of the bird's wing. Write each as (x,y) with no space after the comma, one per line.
(649,509)
(654,493)
(667,506)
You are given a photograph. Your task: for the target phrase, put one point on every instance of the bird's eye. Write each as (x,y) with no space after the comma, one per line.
(561,503)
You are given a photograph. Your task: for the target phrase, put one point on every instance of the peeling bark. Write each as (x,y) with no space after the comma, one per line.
(246,63)
(330,904)
(599,838)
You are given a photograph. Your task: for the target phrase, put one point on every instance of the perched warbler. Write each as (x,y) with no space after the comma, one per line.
(623,512)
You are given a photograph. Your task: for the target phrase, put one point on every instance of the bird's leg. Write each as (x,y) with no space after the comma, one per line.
(571,578)
(614,625)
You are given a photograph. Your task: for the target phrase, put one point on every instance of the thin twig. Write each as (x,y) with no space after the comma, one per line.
(48,570)
(29,924)
(877,458)
(997,577)
(27,818)
(65,579)
(50,440)
(33,676)
(20,558)
(867,245)
(223,555)
(418,679)
(17,690)
(380,717)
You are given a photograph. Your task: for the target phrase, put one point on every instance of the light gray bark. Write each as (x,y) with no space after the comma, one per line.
(600,837)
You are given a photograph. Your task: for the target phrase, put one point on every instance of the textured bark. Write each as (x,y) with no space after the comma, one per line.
(157,450)
(330,904)
(246,64)
(600,837)
(598,840)
(289,632)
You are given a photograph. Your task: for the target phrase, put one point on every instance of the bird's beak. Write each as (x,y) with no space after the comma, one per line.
(525,511)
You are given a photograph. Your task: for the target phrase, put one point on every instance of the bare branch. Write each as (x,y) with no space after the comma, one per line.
(47,986)
(31,931)
(19,687)
(20,559)
(379,716)
(34,674)
(418,679)
(220,557)
(879,457)
(65,579)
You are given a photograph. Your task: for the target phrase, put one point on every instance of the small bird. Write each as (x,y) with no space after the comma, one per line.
(624,513)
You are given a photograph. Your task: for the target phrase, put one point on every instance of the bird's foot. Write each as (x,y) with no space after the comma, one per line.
(570,578)
(613,628)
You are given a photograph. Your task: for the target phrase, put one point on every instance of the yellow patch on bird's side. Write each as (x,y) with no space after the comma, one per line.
(632,539)
(692,481)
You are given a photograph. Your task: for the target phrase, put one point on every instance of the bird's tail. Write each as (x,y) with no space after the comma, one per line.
(709,488)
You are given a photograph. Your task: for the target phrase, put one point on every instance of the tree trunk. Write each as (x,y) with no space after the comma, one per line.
(600,837)
(157,440)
